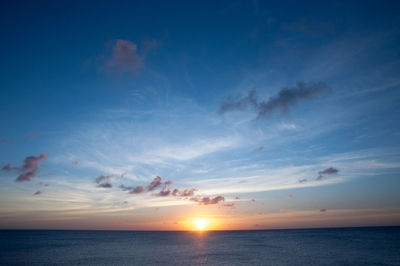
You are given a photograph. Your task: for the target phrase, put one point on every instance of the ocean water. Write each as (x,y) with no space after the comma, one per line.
(345,246)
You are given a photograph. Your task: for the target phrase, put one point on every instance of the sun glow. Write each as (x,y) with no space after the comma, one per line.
(201,224)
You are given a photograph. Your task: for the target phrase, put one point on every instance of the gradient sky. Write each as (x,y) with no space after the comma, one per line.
(278,114)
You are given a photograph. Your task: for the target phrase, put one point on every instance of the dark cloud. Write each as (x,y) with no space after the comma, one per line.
(327,171)
(237,197)
(103,181)
(164,193)
(43,184)
(186,194)
(155,183)
(322,210)
(208,200)
(133,190)
(29,169)
(37,192)
(105,185)
(232,105)
(7,168)
(303,180)
(283,101)
(259,149)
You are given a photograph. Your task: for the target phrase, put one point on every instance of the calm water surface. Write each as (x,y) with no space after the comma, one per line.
(346,246)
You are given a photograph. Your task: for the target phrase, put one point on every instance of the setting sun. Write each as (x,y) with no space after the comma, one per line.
(201,224)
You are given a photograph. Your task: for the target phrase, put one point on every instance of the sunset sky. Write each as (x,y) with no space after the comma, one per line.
(248,114)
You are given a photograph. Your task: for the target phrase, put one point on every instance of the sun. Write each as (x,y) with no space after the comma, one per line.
(201,224)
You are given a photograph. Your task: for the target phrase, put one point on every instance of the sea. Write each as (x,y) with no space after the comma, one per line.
(340,246)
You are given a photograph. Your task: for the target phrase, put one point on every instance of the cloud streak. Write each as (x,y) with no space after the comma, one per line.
(186,194)
(285,99)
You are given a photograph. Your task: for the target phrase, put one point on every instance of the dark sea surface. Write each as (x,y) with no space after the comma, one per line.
(345,246)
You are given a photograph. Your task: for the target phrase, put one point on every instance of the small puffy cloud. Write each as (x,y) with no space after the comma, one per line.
(29,169)
(322,210)
(103,181)
(208,200)
(166,191)
(105,185)
(304,180)
(155,183)
(327,171)
(127,57)
(37,192)
(283,101)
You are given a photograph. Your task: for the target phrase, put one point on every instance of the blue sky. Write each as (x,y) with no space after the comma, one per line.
(130,91)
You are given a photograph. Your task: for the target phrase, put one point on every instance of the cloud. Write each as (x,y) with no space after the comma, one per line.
(322,210)
(283,101)
(208,200)
(155,183)
(103,181)
(29,169)
(3,140)
(166,191)
(75,162)
(327,171)
(7,168)
(126,57)
(37,192)
(258,150)
(303,180)
(133,190)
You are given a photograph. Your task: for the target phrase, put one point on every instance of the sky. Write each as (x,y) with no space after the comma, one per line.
(248,114)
